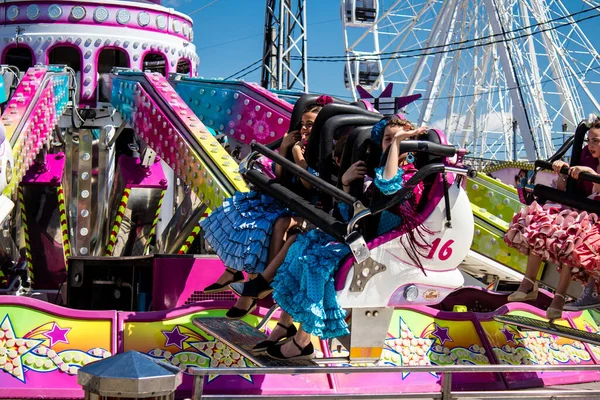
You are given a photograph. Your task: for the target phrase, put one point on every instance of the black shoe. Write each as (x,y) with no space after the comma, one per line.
(239,313)
(217,287)
(306,353)
(257,288)
(290,331)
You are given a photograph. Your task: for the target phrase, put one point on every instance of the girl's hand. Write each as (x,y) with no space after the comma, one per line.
(300,147)
(576,170)
(290,138)
(358,170)
(403,135)
(558,164)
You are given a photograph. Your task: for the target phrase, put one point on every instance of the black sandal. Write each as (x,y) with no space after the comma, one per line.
(257,288)
(217,287)
(239,313)
(290,331)
(306,353)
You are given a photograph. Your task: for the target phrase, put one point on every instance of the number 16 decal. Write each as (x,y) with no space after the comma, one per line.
(445,251)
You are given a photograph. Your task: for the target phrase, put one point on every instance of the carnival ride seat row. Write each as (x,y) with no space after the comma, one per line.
(570,197)
(379,275)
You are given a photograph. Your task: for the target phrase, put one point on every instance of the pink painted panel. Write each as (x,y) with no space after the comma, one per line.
(48,345)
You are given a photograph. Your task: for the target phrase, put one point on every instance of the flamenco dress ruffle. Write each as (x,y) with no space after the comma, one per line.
(304,284)
(557,234)
(586,255)
(240,230)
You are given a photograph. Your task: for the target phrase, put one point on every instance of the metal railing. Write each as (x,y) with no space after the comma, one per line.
(444,394)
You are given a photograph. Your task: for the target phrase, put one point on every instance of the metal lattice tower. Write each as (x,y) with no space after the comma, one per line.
(507,79)
(284,54)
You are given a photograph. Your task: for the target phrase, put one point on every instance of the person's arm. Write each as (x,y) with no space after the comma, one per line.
(391,164)
(298,154)
(289,139)
(358,170)
(561,182)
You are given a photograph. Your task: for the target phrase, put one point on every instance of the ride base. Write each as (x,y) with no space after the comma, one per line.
(44,345)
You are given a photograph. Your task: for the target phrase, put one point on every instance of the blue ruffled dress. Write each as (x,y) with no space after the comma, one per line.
(304,284)
(240,230)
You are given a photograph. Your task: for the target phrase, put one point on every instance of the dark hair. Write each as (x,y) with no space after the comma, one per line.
(312,108)
(338,149)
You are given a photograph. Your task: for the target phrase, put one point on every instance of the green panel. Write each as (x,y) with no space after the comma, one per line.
(494,197)
(491,244)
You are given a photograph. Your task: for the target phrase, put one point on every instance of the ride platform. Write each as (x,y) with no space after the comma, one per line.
(241,336)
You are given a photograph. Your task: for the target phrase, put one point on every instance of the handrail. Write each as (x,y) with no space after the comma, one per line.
(406,369)
(296,170)
(444,394)
(565,170)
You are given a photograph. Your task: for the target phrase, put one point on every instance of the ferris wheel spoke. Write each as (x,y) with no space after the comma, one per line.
(508,78)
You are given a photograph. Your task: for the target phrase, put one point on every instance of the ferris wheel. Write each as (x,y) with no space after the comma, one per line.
(507,79)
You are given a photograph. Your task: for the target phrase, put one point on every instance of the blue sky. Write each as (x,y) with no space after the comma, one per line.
(228,35)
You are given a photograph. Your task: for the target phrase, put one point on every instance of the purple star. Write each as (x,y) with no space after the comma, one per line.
(57,335)
(442,334)
(510,337)
(175,338)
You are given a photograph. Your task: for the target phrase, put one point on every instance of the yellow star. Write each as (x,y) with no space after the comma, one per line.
(12,349)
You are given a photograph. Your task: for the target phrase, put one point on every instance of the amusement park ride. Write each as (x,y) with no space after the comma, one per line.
(113,150)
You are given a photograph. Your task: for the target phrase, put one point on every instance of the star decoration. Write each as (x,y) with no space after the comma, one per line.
(589,328)
(57,335)
(12,349)
(442,334)
(408,349)
(221,356)
(510,337)
(175,338)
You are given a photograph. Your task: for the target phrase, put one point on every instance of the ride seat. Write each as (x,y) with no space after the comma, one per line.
(433,192)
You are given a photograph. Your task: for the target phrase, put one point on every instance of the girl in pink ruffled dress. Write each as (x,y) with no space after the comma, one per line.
(559,234)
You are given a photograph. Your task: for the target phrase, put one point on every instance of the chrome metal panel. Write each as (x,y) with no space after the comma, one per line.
(85,210)
(368,333)
(106,174)
(180,227)
(136,225)
(169,201)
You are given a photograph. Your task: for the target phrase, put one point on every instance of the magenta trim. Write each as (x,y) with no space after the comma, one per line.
(48,174)
(436,194)
(136,176)
(111,22)
(14,46)
(111,47)
(50,308)
(369,106)
(191,64)
(149,51)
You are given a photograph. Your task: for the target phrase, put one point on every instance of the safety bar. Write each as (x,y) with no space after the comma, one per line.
(444,394)
(303,174)
(565,170)
(560,153)
(414,180)
(442,150)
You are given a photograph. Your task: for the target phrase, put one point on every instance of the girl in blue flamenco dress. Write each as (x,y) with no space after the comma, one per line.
(303,285)
(250,227)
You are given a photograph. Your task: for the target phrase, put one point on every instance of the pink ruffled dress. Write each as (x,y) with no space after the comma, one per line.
(560,235)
